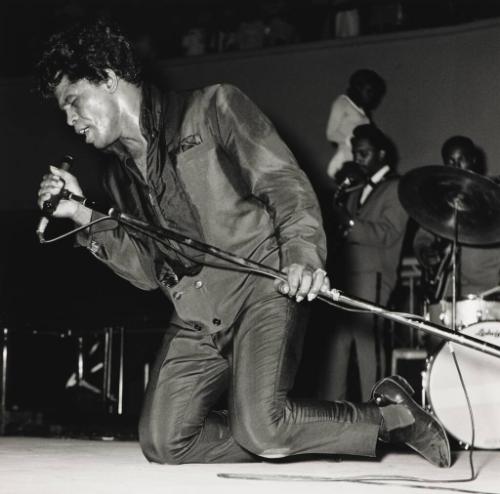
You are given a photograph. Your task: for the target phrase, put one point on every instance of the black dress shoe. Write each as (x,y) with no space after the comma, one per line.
(426,435)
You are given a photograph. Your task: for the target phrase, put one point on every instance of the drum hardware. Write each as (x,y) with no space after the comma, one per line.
(435,280)
(489,292)
(481,375)
(426,405)
(468,311)
(455,204)
(102,368)
(461,206)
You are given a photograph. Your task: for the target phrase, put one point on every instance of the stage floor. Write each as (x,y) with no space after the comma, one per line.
(31,465)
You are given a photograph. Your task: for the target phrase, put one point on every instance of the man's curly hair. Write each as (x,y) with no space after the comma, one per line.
(85,51)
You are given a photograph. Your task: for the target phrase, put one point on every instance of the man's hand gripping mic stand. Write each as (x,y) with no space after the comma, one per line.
(333,296)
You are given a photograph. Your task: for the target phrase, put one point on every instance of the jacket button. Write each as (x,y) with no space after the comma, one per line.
(198,327)
(198,284)
(217,322)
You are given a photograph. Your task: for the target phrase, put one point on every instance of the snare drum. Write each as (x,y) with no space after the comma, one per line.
(468,312)
(481,373)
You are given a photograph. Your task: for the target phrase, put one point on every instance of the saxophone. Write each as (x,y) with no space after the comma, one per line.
(349,178)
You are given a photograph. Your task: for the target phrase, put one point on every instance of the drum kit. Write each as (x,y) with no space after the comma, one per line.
(463,207)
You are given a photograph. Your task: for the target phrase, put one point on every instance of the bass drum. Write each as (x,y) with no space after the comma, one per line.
(481,374)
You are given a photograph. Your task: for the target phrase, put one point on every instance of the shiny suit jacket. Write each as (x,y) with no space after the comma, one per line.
(217,171)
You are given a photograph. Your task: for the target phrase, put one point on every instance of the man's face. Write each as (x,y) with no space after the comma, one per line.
(458,157)
(90,109)
(367,156)
(368,97)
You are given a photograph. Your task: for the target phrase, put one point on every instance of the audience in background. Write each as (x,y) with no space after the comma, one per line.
(169,22)
(345,18)
(251,28)
(251,34)
(194,42)
(225,31)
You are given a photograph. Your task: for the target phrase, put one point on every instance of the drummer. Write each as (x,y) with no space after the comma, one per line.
(479,266)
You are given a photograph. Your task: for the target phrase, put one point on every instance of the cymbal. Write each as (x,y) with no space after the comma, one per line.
(431,195)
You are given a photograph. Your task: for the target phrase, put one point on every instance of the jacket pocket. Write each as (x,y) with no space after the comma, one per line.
(195,155)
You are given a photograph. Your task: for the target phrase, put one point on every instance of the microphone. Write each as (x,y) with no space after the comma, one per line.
(350,173)
(346,182)
(50,205)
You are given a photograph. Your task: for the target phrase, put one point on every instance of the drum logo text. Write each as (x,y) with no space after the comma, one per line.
(488,332)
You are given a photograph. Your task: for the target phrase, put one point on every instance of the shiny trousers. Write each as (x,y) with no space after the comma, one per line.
(255,361)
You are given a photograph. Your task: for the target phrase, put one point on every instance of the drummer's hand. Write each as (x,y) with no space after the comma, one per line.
(431,257)
(303,282)
(52,184)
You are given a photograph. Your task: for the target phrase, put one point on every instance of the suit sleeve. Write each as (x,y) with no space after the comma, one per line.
(272,175)
(387,228)
(128,256)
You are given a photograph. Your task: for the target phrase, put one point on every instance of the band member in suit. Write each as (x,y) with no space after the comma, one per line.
(369,258)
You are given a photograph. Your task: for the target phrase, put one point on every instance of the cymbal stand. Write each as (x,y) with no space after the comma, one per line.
(489,292)
(449,343)
(454,264)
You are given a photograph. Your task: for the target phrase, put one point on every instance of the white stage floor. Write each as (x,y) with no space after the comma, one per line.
(73,466)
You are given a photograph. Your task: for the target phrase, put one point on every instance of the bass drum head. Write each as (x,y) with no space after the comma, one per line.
(481,374)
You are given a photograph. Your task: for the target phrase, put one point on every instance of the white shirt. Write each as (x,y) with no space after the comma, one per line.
(344,117)
(374,179)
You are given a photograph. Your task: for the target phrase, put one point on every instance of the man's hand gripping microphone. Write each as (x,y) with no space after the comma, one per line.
(50,205)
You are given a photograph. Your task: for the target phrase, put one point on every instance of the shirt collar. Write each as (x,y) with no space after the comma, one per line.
(358,108)
(149,118)
(151,108)
(380,174)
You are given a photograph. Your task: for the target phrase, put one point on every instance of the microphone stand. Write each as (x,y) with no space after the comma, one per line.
(334,295)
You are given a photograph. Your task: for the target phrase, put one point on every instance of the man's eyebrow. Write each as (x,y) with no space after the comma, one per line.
(64,101)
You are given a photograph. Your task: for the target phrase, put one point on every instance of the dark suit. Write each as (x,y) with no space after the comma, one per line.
(368,263)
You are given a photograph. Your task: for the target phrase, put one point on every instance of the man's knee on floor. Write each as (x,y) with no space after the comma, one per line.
(263,439)
(159,450)
(158,446)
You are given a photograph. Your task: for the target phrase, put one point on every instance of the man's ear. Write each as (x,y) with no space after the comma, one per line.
(111,82)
